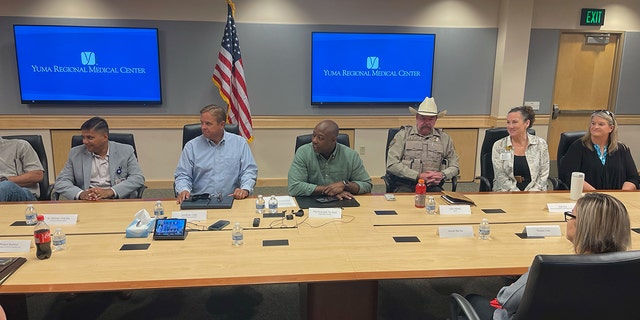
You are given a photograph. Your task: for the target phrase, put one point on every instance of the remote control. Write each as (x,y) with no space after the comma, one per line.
(256,222)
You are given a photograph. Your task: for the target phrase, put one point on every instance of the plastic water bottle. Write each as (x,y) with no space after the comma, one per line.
(484,230)
(273,204)
(260,204)
(30,215)
(59,240)
(42,237)
(158,210)
(421,193)
(237,235)
(431,205)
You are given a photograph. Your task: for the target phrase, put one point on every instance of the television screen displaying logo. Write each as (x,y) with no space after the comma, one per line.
(78,64)
(371,67)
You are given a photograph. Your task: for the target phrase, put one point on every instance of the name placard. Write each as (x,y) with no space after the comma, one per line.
(542,231)
(15,245)
(57,219)
(455,231)
(190,215)
(560,207)
(332,213)
(455,209)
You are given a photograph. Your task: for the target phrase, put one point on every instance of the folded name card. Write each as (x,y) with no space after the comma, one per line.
(191,215)
(542,231)
(57,219)
(455,209)
(333,213)
(455,231)
(15,245)
(560,207)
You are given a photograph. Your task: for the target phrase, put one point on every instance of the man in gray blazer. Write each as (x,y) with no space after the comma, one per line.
(99,169)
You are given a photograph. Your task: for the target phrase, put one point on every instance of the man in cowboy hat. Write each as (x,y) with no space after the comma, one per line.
(422,152)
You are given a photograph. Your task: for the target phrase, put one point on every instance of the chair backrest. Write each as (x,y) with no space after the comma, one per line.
(566,139)
(125,138)
(390,135)
(190,131)
(589,286)
(35,140)
(486,166)
(306,138)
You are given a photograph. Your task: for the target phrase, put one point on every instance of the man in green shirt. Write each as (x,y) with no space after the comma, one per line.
(327,167)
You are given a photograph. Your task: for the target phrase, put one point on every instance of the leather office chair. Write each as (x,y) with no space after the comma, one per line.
(566,139)
(124,138)
(190,131)
(486,164)
(306,138)
(587,286)
(36,143)
(390,179)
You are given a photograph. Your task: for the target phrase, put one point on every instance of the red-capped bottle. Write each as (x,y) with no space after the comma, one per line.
(421,193)
(42,236)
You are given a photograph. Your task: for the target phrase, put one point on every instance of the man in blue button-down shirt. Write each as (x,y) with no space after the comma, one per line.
(216,162)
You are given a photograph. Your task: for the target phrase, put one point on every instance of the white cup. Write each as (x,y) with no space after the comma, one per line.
(577,180)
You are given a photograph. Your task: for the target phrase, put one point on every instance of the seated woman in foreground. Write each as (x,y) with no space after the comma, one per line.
(520,160)
(606,162)
(599,223)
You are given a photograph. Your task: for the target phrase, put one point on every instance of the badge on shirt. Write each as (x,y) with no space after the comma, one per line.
(505,156)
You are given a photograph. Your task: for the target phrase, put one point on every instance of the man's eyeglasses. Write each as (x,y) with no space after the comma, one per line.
(568,216)
(607,112)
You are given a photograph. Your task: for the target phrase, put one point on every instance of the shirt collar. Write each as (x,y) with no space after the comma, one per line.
(106,156)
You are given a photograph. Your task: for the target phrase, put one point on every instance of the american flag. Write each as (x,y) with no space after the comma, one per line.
(228,76)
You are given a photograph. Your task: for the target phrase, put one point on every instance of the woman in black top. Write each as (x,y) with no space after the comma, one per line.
(606,162)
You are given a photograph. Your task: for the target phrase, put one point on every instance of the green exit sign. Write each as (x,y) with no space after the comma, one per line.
(592,17)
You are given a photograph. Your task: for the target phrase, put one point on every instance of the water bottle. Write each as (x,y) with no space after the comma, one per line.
(237,236)
(42,237)
(431,205)
(273,204)
(421,193)
(30,215)
(260,204)
(59,240)
(484,230)
(158,210)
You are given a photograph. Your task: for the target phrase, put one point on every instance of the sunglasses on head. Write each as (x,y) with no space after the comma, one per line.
(607,112)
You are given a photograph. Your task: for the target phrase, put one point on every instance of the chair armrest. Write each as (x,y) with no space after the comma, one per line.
(388,183)
(454,183)
(140,191)
(459,304)
(485,184)
(558,184)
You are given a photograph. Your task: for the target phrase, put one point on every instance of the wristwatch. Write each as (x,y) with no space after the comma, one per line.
(3,178)
(346,182)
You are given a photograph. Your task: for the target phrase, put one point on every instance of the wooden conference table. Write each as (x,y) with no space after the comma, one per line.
(359,248)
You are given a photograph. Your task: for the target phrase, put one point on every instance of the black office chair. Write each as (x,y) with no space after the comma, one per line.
(36,143)
(566,139)
(306,138)
(390,179)
(486,164)
(587,286)
(190,131)
(124,138)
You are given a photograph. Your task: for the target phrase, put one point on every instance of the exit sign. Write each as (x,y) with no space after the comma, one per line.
(592,17)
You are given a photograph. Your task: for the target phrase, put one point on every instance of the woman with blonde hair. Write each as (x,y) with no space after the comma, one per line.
(605,161)
(599,223)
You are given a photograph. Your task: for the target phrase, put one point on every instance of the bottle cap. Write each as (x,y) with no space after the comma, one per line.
(421,181)
(40,217)
(58,229)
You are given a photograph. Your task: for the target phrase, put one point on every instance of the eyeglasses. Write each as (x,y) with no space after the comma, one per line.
(568,216)
(607,112)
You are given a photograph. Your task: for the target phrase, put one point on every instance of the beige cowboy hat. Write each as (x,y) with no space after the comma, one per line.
(428,107)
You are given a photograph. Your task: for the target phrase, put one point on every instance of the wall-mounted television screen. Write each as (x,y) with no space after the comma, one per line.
(81,64)
(371,67)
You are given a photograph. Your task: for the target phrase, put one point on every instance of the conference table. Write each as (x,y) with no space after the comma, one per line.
(336,258)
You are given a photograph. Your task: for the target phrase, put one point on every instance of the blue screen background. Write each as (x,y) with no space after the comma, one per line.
(349,51)
(120,49)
